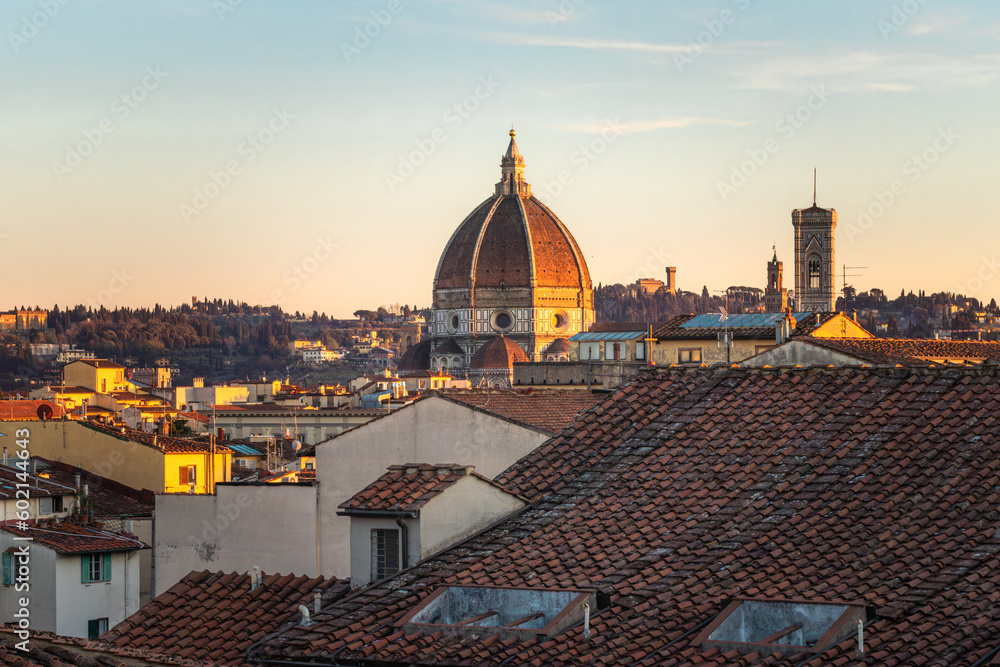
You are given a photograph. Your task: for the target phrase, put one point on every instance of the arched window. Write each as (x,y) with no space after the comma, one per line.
(814,273)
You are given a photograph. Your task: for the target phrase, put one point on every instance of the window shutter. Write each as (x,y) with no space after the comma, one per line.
(107,567)
(7,578)
(93,628)
(85,569)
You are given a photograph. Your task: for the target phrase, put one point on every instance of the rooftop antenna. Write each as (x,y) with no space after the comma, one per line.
(845,288)
(814,186)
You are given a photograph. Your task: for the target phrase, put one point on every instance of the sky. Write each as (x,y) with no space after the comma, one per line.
(319,154)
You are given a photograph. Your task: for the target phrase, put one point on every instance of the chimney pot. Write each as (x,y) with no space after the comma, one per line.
(317,600)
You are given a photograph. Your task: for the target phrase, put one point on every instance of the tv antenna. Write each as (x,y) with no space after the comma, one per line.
(844,289)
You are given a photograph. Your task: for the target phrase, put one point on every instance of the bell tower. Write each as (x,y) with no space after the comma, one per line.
(814,257)
(775,296)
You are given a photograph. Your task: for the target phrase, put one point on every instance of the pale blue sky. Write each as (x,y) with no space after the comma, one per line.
(264,151)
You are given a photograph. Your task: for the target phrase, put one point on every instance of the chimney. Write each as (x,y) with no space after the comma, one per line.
(256,576)
(306,621)
(5,455)
(317,600)
(76,480)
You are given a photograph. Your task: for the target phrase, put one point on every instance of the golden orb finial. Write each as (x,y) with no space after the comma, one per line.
(512,132)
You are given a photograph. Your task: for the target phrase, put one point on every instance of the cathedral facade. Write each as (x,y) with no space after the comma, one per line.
(510,269)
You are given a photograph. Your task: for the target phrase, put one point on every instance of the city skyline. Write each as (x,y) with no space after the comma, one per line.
(320,155)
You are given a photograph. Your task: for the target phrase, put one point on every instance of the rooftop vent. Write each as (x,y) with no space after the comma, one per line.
(783,626)
(521,613)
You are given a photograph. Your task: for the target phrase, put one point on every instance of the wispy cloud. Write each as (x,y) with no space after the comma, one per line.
(936,25)
(635,126)
(589,44)
(865,70)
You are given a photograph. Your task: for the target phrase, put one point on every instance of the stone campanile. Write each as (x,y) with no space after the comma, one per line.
(775,295)
(814,257)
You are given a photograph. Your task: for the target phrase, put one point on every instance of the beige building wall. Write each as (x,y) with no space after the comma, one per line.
(463,509)
(103,380)
(666,352)
(432,430)
(128,462)
(273,526)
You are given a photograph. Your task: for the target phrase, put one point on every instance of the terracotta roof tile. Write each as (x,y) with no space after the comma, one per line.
(687,488)
(549,410)
(911,350)
(409,487)
(27,410)
(214,616)
(66,537)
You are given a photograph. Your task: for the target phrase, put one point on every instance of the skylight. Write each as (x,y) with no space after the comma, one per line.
(488,610)
(785,626)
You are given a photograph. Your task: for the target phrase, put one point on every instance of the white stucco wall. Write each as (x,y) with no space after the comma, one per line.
(270,525)
(42,591)
(59,600)
(463,509)
(799,353)
(78,602)
(432,430)
(361,540)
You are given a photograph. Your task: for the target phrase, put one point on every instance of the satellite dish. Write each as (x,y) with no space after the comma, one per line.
(44,411)
(297,444)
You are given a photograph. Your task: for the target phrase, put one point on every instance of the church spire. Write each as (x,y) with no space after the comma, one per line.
(512,171)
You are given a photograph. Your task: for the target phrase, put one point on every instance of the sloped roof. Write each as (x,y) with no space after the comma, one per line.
(40,487)
(163,443)
(407,488)
(417,358)
(110,499)
(214,616)
(97,363)
(747,326)
(68,538)
(27,410)
(910,350)
(687,488)
(549,410)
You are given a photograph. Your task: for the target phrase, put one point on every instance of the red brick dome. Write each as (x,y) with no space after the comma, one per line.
(512,240)
(499,353)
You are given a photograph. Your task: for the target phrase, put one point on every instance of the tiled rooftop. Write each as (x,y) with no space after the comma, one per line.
(213,617)
(409,487)
(549,410)
(110,499)
(691,487)
(165,444)
(27,410)
(41,487)
(67,537)
(910,351)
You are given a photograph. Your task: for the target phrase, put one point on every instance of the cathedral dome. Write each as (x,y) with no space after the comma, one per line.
(499,354)
(512,240)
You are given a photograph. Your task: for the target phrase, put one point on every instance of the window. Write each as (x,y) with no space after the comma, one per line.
(309,466)
(385,553)
(8,568)
(590,351)
(104,386)
(814,273)
(690,355)
(96,627)
(188,475)
(95,567)
(50,505)
(640,350)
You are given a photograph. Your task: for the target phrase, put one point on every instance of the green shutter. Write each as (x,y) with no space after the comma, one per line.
(7,578)
(107,567)
(93,627)
(85,569)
